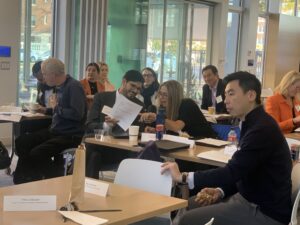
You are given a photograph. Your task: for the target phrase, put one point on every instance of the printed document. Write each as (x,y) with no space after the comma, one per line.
(125,111)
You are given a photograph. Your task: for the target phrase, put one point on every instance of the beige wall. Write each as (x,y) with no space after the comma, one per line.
(283,51)
(9,36)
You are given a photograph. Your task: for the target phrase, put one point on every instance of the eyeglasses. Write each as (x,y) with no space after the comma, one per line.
(147,75)
(162,94)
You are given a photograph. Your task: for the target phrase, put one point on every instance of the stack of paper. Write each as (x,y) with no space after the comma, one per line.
(212,142)
(215,155)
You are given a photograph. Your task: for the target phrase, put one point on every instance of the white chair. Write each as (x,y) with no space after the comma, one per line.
(295,192)
(210,222)
(295,210)
(145,175)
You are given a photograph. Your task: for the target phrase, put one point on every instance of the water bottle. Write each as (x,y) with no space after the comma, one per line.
(232,136)
(160,123)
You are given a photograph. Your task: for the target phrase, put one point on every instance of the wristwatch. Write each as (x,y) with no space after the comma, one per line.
(184,177)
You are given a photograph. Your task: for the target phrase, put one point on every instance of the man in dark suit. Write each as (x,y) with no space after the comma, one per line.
(213,90)
(255,185)
(97,156)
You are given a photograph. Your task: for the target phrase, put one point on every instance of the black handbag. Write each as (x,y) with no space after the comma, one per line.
(4,157)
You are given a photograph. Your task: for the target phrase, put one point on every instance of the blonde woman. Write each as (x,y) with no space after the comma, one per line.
(283,106)
(182,114)
(103,77)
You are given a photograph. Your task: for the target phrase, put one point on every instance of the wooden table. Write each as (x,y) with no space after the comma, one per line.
(294,135)
(183,154)
(136,204)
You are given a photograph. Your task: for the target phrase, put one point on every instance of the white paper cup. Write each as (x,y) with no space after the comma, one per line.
(133,133)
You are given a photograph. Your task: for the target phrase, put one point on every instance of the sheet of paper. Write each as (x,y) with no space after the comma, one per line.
(297,130)
(83,218)
(125,111)
(213,142)
(215,155)
(291,141)
(148,137)
(10,117)
(179,139)
(107,110)
(29,203)
(230,150)
(96,187)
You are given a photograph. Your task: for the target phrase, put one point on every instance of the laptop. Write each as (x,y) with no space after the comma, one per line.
(120,134)
(166,145)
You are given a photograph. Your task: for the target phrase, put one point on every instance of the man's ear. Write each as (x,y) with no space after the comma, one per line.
(124,81)
(252,95)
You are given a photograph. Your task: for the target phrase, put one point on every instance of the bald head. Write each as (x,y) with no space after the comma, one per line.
(53,71)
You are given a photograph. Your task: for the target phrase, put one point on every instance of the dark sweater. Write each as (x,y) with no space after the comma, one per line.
(69,115)
(260,171)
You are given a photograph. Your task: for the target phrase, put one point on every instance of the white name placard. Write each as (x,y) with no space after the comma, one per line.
(29,203)
(96,187)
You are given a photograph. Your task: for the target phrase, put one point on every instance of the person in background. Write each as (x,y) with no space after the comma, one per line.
(43,94)
(90,84)
(97,156)
(254,187)
(150,87)
(36,150)
(182,114)
(43,90)
(103,77)
(284,106)
(213,90)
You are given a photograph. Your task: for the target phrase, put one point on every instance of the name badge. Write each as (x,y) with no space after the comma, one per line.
(297,107)
(29,203)
(219,99)
(96,187)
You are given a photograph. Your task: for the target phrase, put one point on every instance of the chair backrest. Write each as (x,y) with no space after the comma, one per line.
(295,209)
(222,130)
(295,192)
(295,180)
(145,175)
(210,222)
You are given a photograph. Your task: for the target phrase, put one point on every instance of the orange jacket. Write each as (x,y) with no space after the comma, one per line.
(281,111)
(87,90)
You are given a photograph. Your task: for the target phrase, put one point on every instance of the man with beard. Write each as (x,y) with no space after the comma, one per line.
(96,156)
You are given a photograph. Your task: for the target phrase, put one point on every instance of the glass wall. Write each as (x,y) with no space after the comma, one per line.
(173,40)
(260,46)
(36,25)
(126,37)
(232,42)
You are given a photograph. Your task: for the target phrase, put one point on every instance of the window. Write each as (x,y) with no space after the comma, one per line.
(263,5)
(33,21)
(174,44)
(288,7)
(45,20)
(260,46)
(35,44)
(232,41)
(235,2)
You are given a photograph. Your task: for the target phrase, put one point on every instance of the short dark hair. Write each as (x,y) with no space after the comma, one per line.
(247,82)
(212,68)
(36,68)
(133,75)
(94,65)
(155,83)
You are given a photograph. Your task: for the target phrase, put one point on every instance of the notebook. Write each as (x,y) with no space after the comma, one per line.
(166,145)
